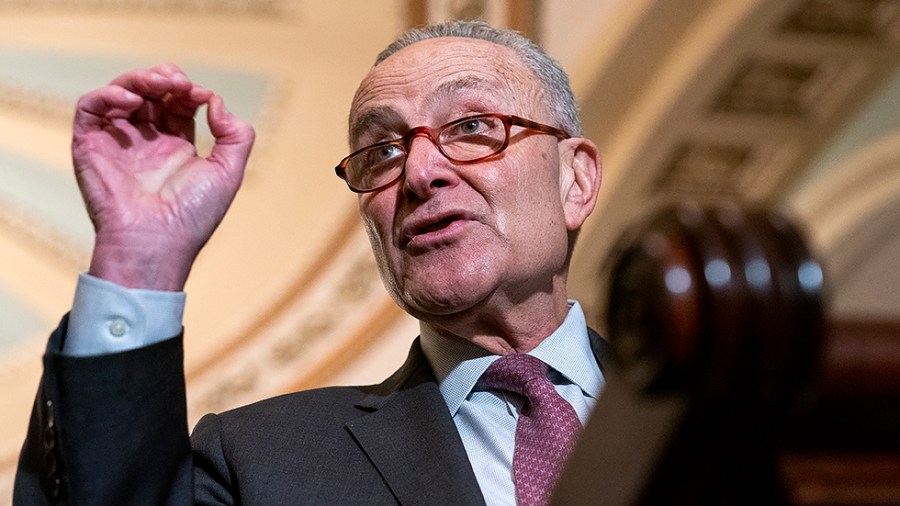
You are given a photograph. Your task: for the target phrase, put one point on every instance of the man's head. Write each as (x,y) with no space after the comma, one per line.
(554,80)
(473,241)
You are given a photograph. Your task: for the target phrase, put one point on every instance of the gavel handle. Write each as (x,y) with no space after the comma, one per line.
(634,434)
(855,403)
(862,358)
(672,448)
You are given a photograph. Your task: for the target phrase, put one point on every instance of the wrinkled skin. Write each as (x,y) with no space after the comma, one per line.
(477,251)
(153,201)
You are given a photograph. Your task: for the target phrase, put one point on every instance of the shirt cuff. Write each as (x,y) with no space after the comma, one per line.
(108,318)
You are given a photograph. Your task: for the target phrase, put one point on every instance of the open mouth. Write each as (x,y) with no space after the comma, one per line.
(433,227)
(426,231)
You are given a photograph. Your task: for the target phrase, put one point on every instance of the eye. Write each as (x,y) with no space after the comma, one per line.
(387,152)
(381,155)
(470,126)
(480,126)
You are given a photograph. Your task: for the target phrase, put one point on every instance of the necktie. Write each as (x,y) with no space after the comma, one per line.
(546,430)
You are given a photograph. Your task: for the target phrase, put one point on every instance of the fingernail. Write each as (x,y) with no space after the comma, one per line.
(131,96)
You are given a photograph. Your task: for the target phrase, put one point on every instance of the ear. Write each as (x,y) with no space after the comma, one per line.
(580,174)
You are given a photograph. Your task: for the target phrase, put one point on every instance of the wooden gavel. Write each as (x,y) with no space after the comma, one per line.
(727,385)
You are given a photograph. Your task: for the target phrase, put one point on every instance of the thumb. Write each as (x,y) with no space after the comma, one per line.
(233,138)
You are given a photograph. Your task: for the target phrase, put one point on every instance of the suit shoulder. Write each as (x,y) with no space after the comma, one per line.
(327,402)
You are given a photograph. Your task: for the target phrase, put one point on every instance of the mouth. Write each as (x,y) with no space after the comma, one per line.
(431,230)
(433,227)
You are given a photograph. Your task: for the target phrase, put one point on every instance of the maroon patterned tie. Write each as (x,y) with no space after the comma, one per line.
(546,430)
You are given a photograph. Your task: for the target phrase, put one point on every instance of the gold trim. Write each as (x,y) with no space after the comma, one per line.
(275,9)
(302,284)
(353,348)
(41,104)
(42,238)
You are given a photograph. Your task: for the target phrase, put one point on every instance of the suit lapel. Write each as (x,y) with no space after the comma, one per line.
(411,439)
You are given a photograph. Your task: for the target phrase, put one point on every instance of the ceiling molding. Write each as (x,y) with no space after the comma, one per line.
(274,9)
(733,106)
(43,105)
(43,239)
(314,325)
(855,208)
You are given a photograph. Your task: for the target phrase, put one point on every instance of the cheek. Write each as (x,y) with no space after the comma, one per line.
(532,184)
(533,199)
(376,210)
(377,218)
(378,230)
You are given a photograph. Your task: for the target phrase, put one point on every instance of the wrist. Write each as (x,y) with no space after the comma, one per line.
(135,264)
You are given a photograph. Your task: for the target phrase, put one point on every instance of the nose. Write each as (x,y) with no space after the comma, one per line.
(427,169)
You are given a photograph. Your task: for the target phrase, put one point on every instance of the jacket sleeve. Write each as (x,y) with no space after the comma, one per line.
(108,430)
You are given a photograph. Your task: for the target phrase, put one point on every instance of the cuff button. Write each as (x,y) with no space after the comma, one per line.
(118,327)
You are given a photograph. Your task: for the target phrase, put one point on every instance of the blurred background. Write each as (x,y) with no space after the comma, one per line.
(794,104)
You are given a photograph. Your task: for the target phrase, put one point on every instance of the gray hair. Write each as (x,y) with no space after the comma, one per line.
(554,80)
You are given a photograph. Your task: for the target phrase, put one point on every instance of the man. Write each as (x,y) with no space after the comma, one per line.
(472,184)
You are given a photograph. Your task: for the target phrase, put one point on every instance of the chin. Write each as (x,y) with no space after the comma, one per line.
(444,287)
(430,305)
(428,302)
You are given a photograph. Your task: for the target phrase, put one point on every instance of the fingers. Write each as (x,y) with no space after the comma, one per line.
(166,83)
(98,107)
(234,138)
(162,96)
(165,97)
(167,90)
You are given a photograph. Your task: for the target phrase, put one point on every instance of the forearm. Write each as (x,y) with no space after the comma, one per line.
(112,389)
(110,429)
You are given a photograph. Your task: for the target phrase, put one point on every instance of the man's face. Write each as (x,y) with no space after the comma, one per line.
(450,237)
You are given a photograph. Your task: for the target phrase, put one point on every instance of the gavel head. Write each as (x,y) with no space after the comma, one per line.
(719,300)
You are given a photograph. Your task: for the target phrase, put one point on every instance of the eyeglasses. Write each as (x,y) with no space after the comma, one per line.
(464,141)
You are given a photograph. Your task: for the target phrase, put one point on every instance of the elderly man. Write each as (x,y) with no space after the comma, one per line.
(472,181)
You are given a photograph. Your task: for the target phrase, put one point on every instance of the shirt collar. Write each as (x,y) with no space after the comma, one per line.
(458,364)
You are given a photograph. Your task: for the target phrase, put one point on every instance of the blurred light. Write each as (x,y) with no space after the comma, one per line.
(717,272)
(810,275)
(678,280)
(757,272)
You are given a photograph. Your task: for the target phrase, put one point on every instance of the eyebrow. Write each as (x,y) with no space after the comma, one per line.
(375,116)
(384,115)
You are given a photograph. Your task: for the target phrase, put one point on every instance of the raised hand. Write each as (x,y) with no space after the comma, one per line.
(153,201)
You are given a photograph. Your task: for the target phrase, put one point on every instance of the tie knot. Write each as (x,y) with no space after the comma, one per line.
(513,372)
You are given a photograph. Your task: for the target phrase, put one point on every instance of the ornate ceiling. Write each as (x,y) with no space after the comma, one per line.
(792,103)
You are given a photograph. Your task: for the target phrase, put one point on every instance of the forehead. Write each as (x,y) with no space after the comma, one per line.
(432,75)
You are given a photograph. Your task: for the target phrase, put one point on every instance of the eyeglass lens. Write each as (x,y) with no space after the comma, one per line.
(461,141)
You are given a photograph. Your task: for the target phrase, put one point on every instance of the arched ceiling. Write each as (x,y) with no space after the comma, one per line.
(290,67)
(793,103)
(755,101)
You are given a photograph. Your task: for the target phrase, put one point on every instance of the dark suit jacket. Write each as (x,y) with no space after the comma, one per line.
(112,430)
